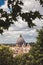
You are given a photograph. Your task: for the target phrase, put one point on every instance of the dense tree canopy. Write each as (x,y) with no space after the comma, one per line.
(36,53)
(16,10)
(6,56)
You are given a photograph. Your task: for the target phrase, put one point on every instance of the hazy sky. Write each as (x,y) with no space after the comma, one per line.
(21,27)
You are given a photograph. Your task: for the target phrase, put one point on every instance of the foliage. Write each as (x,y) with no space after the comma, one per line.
(4,24)
(6,56)
(15,11)
(40,37)
(36,53)
(41,2)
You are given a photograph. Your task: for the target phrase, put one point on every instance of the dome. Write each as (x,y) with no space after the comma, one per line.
(20,41)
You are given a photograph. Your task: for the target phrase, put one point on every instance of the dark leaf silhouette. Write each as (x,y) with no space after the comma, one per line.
(16,10)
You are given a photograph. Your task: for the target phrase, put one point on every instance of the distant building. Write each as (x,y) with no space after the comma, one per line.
(21,47)
(20,41)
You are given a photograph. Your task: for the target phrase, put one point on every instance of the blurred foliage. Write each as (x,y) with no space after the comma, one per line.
(41,2)
(36,51)
(6,55)
(15,8)
(5,20)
